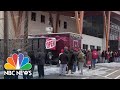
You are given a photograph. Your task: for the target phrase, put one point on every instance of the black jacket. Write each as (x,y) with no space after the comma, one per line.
(41,58)
(63,58)
(33,59)
(71,58)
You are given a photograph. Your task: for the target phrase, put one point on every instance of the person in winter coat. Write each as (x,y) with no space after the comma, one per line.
(115,58)
(103,56)
(41,62)
(62,51)
(85,53)
(99,56)
(89,59)
(33,60)
(81,61)
(111,57)
(94,57)
(63,62)
(70,62)
(107,56)
(26,76)
(49,57)
(119,56)
(75,60)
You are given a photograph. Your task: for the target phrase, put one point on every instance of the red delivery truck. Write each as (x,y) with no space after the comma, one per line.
(54,42)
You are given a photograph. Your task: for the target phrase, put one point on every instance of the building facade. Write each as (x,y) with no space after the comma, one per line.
(93,33)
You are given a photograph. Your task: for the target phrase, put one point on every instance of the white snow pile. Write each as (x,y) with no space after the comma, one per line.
(113,64)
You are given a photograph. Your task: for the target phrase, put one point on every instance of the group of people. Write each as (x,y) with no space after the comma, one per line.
(110,56)
(70,59)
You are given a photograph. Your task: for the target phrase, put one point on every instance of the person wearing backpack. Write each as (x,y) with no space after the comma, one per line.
(81,61)
(94,57)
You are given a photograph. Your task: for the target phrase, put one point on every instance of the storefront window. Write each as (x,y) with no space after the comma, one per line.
(93,25)
(85,46)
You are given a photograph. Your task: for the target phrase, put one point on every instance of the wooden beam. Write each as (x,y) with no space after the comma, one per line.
(107,27)
(19,22)
(16,26)
(81,22)
(14,22)
(77,21)
(51,21)
(5,35)
(26,32)
(57,22)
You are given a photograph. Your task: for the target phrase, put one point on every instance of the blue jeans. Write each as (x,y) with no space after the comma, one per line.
(74,66)
(80,65)
(93,63)
(63,69)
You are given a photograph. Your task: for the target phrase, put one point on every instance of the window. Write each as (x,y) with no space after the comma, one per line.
(65,25)
(93,25)
(50,20)
(42,19)
(59,23)
(98,48)
(33,16)
(92,47)
(85,46)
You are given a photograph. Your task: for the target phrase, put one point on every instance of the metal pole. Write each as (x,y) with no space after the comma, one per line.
(5,35)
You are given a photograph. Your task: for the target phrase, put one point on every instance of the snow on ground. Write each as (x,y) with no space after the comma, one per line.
(49,70)
(113,64)
(53,69)
(86,71)
(1,72)
(89,72)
